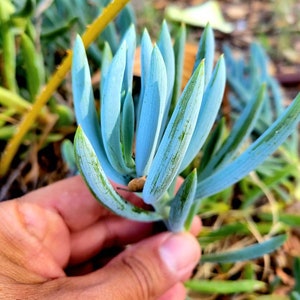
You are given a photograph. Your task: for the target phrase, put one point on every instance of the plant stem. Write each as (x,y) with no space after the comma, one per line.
(92,31)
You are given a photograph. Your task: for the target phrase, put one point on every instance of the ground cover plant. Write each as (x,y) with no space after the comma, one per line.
(249,222)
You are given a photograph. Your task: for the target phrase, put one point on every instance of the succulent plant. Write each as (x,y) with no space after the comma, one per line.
(143,143)
(244,76)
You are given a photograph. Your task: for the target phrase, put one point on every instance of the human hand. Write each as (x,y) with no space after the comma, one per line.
(60,230)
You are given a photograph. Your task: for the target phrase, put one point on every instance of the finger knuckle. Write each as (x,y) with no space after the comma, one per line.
(144,278)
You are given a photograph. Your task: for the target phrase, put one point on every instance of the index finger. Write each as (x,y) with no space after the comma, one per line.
(72,200)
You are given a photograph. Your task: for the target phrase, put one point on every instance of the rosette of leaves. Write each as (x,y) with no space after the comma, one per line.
(143,138)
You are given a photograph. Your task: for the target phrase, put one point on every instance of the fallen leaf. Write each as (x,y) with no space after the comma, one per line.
(200,15)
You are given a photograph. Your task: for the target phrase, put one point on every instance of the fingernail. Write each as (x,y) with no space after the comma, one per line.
(181,253)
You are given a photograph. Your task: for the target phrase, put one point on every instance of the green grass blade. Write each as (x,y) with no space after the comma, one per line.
(224,287)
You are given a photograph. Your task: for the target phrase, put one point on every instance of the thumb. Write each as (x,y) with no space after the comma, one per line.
(152,268)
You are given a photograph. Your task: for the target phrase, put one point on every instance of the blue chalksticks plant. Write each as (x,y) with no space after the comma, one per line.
(144,142)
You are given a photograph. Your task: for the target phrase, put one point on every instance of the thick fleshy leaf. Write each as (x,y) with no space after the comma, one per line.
(130,38)
(263,147)
(276,96)
(242,92)
(210,106)
(127,129)
(85,110)
(110,118)
(179,46)
(99,184)
(165,46)
(182,202)
(258,63)
(125,18)
(176,139)
(153,104)
(206,50)
(240,131)
(146,52)
(107,57)
(212,144)
(246,253)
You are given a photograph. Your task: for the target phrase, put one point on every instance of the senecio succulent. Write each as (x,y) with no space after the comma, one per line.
(144,142)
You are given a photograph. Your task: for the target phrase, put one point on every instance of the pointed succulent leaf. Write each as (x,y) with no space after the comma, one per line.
(246,253)
(83,95)
(146,52)
(125,18)
(84,106)
(264,146)
(127,129)
(153,104)
(130,38)
(212,144)
(99,184)
(182,202)
(211,103)
(107,57)
(240,131)
(110,35)
(276,96)
(258,62)
(206,50)
(176,139)
(110,111)
(179,46)
(165,46)
(242,92)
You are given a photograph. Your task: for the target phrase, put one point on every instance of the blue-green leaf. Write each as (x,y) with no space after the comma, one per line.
(240,131)
(130,38)
(153,104)
(179,46)
(206,50)
(182,202)
(264,146)
(85,107)
(164,44)
(125,18)
(107,57)
(110,118)
(211,103)
(127,129)
(176,139)
(99,184)
(246,253)
(146,52)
